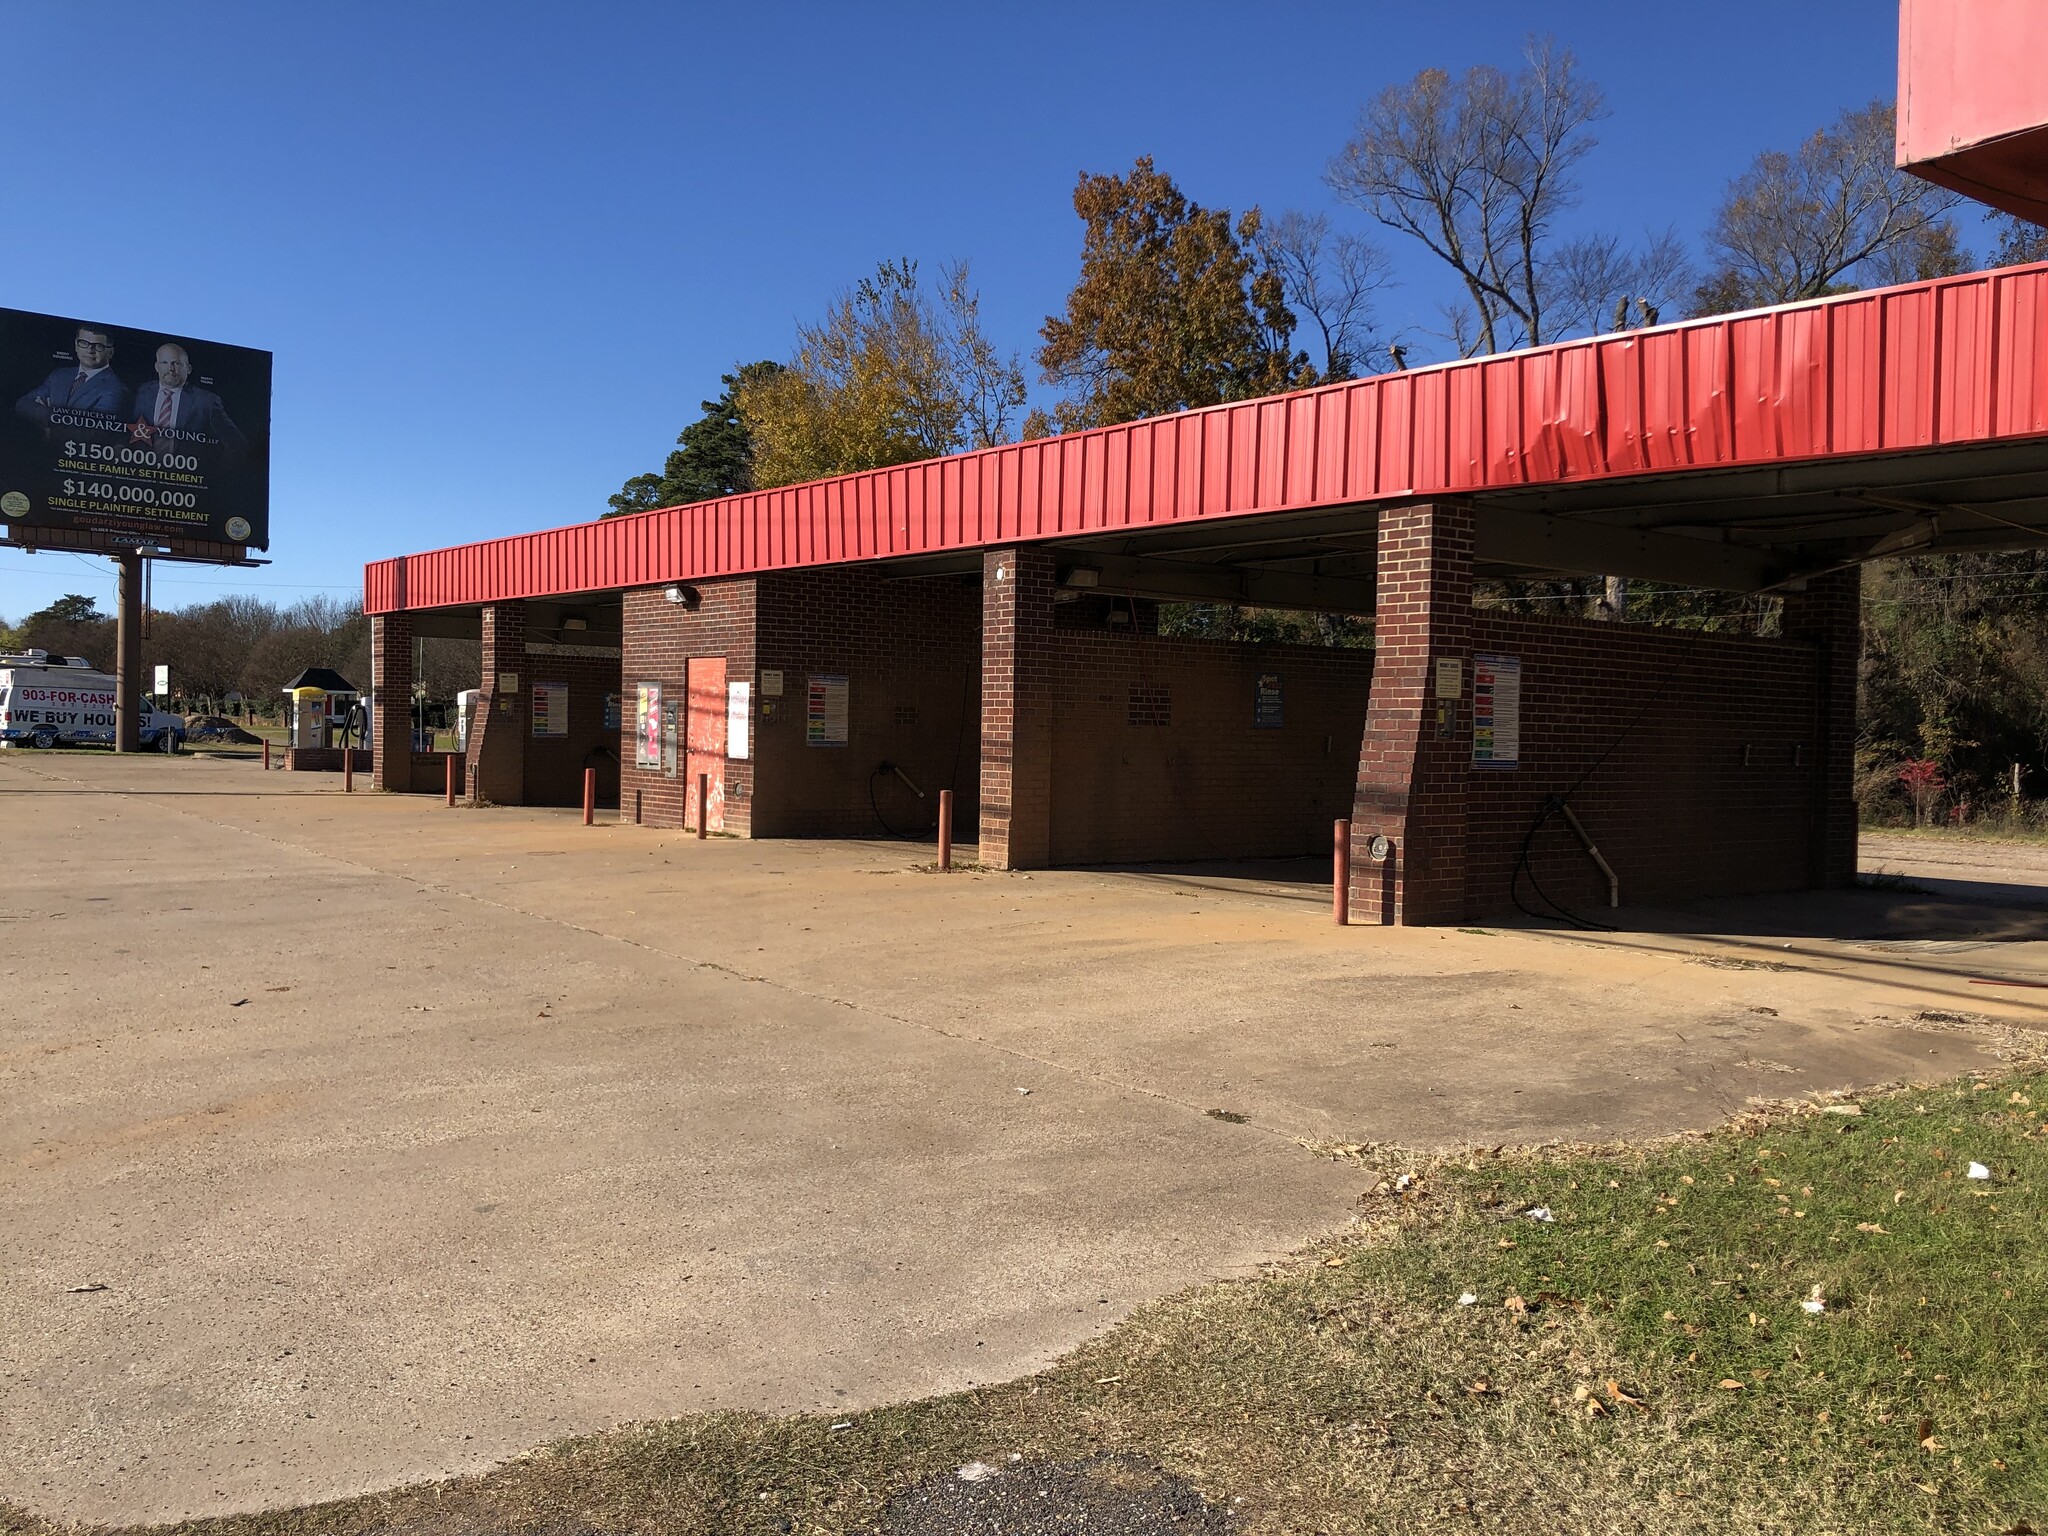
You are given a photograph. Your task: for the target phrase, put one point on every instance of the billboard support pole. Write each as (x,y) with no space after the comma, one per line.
(128,654)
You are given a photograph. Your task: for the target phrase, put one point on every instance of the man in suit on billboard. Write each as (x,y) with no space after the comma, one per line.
(174,401)
(89,384)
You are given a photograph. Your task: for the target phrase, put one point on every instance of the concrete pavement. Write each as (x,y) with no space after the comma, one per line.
(403,1139)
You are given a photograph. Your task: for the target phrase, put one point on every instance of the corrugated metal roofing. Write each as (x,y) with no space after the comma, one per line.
(1953,361)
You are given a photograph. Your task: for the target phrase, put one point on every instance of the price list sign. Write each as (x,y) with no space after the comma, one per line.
(133,433)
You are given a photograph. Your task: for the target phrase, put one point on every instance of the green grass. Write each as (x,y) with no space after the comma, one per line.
(1994,830)
(1346,1390)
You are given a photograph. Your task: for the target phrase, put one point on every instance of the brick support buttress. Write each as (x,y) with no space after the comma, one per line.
(1414,761)
(391,682)
(1016,708)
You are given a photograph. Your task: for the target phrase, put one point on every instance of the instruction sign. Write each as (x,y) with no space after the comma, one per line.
(1269,711)
(825,712)
(739,714)
(1496,711)
(647,727)
(550,709)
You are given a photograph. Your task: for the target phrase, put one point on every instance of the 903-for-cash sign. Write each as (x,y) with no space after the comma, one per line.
(132,433)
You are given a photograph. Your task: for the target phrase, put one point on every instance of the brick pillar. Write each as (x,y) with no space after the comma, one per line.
(1016,708)
(1829,616)
(497,740)
(1412,768)
(391,701)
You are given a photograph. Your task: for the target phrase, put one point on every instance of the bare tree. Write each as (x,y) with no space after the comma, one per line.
(1596,282)
(1478,168)
(1833,214)
(2019,241)
(1329,280)
(990,386)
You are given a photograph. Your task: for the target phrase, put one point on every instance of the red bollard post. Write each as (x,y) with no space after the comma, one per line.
(348,769)
(449,761)
(266,754)
(703,806)
(945,830)
(1340,876)
(589,797)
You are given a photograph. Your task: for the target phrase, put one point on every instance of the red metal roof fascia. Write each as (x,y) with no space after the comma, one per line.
(1953,360)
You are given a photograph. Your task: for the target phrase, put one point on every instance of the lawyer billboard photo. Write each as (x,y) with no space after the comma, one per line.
(127,432)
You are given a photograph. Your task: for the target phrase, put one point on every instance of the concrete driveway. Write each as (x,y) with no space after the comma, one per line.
(354,1140)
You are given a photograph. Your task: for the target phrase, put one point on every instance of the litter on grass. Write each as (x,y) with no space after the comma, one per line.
(1468,1300)
(975,1471)
(1979,1171)
(1539,1213)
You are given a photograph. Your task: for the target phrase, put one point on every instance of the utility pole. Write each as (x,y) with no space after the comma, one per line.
(128,653)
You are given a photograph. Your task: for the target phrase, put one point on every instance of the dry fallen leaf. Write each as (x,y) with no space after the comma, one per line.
(1729,1384)
(1516,1305)
(1871,1226)
(1480,1387)
(1614,1391)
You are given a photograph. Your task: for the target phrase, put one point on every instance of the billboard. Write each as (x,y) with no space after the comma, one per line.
(132,433)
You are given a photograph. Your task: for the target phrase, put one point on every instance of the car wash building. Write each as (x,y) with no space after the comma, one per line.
(825,658)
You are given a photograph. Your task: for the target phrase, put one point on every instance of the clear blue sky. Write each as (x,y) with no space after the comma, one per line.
(502,251)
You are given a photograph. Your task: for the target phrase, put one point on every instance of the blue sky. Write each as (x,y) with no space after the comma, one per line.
(502,251)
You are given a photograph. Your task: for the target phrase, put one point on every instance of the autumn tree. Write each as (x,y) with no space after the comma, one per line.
(713,455)
(894,372)
(1173,308)
(1832,215)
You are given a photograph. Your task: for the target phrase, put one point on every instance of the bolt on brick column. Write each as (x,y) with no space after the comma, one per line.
(1412,772)
(1829,615)
(391,701)
(1016,708)
(497,738)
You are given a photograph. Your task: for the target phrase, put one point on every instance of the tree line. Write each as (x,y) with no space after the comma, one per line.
(1177,306)
(237,650)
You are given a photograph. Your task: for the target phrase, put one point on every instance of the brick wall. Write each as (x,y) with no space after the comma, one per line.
(496,770)
(1018,671)
(1412,764)
(1708,779)
(1727,766)
(1157,753)
(1828,615)
(329,760)
(660,638)
(391,699)
(555,764)
(910,651)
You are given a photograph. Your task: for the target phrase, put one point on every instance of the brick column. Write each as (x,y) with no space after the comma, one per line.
(1016,708)
(1829,616)
(391,683)
(1413,769)
(497,739)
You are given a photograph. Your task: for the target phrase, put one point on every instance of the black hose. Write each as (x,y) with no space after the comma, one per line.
(1553,806)
(874,803)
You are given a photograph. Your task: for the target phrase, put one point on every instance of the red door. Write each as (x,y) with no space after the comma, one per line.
(704,735)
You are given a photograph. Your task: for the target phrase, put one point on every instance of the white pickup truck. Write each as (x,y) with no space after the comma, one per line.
(51,701)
